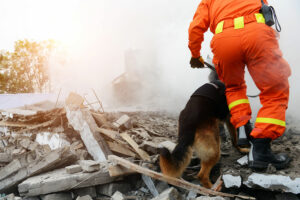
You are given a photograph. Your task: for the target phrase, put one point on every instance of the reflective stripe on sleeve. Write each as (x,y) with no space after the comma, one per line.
(270,121)
(238,102)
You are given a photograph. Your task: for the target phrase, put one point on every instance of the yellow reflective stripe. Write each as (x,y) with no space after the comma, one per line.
(219,28)
(238,102)
(260,18)
(239,22)
(270,121)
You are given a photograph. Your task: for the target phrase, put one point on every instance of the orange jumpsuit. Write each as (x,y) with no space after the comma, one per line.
(251,43)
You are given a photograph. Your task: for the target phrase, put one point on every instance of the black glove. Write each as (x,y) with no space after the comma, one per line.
(197,62)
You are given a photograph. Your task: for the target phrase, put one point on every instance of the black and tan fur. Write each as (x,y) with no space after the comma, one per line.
(198,132)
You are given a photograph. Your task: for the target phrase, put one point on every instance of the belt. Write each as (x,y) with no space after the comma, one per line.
(239,22)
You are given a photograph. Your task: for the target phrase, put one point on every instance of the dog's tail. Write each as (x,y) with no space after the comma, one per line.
(173,164)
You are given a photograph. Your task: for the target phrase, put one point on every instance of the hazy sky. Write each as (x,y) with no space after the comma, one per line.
(95,34)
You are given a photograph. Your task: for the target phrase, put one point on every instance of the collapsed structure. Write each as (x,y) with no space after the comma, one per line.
(73,152)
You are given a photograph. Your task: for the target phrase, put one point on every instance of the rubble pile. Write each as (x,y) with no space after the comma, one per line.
(74,152)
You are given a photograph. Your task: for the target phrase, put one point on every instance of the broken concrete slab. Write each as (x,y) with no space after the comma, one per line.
(111,188)
(11,168)
(50,161)
(232,181)
(123,121)
(89,165)
(54,140)
(169,194)
(150,185)
(73,169)
(273,182)
(59,180)
(118,196)
(91,191)
(83,122)
(55,196)
(86,197)
(243,160)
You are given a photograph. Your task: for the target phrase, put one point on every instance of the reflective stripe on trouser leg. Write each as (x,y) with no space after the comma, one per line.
(237,102)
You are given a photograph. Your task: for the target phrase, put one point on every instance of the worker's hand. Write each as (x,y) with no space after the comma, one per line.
(197,62)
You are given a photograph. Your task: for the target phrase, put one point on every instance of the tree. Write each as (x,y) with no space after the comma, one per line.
(26,69)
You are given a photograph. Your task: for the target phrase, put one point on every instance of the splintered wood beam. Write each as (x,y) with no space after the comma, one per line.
(144,155)
(173,181)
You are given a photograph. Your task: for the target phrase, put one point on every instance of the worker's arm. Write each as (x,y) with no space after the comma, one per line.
(198,27)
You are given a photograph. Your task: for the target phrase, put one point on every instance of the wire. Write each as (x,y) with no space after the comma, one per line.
(277,24)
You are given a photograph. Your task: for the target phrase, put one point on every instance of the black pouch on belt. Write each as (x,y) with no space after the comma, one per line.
(267,13)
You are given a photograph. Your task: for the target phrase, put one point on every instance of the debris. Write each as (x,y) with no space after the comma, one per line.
(218,184)
(169,194)
(286,196)
(150,185)
(59,180)
(111,188)
(232,181)
(123,121)
(174,181)
(89,165)
(274,183)
(73,169)
(191,195)
(86,197)
(54,140)
(83,122)
(118,196)
(243,160)
(117,170)
(91,191)
(144,155)
(55,196)
(121,149)
(9,169)
(53,160)
(5,158)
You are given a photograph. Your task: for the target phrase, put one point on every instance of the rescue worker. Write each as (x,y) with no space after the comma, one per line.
(241,38)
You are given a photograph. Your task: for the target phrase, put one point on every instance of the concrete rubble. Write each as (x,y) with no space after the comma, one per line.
(62,152)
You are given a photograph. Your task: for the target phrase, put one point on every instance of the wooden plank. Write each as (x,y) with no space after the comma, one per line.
(218,184)
(118,170)
(144,155)
(173,181)
(36,126)
(14,124)
(114,135)
(121,149)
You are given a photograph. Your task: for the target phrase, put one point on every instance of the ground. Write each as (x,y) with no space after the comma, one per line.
(165,125)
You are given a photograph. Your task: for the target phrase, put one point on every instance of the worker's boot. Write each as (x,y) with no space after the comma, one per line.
(261,155)
(244,135)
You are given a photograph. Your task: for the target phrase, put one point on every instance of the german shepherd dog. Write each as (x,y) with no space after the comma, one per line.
(198,131)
